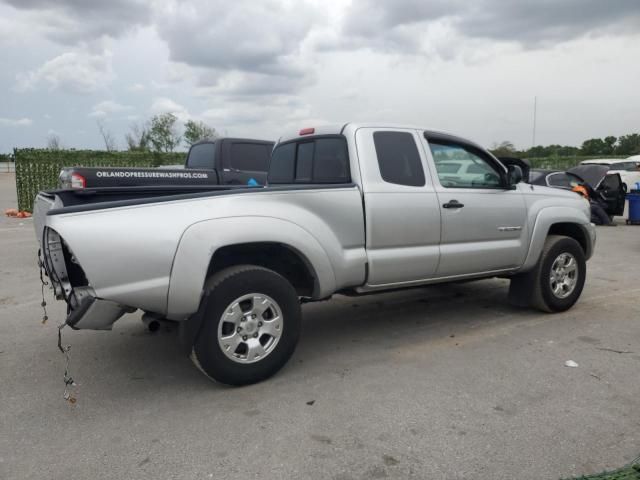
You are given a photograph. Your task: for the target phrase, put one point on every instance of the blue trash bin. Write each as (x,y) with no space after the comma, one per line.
(634,207)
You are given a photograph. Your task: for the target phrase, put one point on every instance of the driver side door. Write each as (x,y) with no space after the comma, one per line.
(613,192)
(483,221)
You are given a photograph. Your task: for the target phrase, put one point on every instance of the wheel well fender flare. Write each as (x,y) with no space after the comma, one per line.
(559,221)
(201,240)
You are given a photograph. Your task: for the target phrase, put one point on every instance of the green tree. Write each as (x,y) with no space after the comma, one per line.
(54,142)
(196,131)
(137,138)
(609,144)
(593,146)
(568,151)
(163,133)
(536,152)
(107,137)
(503,149)
(628,144)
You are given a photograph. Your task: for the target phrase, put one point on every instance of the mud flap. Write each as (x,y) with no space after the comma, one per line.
(521,290)
(189,329)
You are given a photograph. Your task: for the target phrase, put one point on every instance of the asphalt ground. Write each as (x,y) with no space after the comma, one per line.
(447,382)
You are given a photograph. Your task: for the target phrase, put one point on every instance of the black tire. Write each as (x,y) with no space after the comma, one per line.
(534,288)
(221,290)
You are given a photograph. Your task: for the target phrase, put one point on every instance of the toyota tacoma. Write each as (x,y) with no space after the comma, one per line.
(352,209)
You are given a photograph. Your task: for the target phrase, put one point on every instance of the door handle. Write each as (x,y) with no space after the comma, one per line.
(453,204)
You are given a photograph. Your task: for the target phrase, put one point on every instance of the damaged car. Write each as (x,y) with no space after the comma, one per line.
(603,186)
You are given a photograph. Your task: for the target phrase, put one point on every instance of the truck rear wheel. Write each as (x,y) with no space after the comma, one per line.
(251,325)
(557,280)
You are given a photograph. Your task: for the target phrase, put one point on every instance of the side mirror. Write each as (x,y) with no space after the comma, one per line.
(514,175)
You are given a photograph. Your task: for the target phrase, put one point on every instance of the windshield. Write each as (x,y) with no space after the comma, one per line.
(623,166)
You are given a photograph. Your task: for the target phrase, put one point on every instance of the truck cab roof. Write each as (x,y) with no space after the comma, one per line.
(351,127)
(232,139)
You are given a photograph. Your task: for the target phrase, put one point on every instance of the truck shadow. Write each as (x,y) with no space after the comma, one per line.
(343,331)
(421,316)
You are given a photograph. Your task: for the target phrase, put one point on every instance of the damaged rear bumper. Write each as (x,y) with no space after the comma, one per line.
(94,313)
(69,282)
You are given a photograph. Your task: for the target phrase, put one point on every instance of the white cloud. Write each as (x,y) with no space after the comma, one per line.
(136,87)
(248,84)
(221,38)
(265,120)
(400,26)
(75,21)
(72,72)
(166,105)
(108,107)
(19,122)
(253,68)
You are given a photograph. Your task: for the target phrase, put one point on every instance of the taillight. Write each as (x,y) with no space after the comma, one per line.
(78,181)
(307,131)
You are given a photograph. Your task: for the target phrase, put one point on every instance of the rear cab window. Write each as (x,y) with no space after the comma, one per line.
(314,160)
(202,156)
(248,157)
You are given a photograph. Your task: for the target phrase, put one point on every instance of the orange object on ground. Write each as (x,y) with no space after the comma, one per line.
(12,212)
(581,190)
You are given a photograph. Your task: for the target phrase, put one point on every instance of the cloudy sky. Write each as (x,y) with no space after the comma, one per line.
(256,67)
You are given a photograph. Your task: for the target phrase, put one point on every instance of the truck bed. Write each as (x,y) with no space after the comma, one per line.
(70,200)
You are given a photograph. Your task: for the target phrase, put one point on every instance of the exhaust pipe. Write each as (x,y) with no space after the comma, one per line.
(151,321)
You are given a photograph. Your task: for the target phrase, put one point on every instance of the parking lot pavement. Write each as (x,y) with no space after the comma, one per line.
(444,382)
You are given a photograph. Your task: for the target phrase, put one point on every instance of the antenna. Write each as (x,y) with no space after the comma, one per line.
(535,108)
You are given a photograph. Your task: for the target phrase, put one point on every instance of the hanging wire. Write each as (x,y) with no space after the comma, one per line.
(68,380)
(43,283)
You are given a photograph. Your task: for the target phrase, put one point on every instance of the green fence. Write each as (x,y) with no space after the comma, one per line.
(38,169)
(563,163)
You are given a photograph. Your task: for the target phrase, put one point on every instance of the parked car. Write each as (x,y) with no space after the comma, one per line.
(224,161)
(351,209)
(603,183)
(629,168)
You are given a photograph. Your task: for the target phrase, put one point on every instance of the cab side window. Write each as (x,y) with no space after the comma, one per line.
(202,155)
(282,166)
(398,158)
(473,170)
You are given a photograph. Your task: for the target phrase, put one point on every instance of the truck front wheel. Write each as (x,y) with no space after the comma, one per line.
(251,325)
(556,282)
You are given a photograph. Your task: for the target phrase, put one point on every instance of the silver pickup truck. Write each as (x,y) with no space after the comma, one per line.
(352,209)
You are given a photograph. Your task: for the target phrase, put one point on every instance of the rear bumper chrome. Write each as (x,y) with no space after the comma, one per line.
(94,313)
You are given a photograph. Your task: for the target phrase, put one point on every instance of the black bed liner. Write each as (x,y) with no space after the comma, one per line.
(87,200)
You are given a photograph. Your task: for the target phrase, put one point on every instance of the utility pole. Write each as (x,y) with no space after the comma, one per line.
(535,106)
